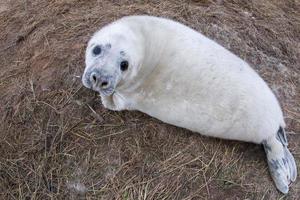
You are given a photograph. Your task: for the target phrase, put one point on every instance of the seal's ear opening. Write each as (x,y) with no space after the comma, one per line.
(124,65)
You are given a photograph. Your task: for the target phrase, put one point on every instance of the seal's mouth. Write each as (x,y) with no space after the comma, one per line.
(105,92)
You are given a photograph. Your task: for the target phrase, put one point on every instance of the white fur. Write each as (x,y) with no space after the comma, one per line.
(183,78)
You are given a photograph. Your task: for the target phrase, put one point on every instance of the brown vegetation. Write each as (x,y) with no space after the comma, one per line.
(58,142)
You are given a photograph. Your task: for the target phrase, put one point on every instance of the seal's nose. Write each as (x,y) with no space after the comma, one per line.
(99,80)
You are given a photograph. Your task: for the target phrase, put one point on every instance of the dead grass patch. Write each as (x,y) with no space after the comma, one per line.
(58,142)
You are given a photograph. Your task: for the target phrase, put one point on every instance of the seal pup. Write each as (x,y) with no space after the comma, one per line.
(175,74)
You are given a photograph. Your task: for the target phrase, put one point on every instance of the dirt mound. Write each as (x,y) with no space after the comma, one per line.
(57,141)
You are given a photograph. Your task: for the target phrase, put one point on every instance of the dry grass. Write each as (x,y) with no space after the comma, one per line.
(58,142)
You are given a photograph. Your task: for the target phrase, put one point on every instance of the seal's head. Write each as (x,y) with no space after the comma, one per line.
(112,58)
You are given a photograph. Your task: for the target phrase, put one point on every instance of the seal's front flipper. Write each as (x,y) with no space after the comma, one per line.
(281,163)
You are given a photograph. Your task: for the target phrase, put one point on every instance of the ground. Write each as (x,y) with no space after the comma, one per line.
(58,142)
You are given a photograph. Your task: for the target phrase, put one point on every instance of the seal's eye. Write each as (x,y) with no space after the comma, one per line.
(124,65)
(97,50)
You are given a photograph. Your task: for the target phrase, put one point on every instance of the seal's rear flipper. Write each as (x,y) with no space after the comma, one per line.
(281,162)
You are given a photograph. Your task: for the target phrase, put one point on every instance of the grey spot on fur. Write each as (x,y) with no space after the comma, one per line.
(284,161)
(108,46)
(281,136)
(87,75)
(122,53)
(266,146)
(274,164)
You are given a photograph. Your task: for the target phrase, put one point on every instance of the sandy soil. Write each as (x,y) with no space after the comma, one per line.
(58,142)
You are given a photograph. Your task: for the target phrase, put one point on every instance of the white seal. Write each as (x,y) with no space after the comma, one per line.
(173,73)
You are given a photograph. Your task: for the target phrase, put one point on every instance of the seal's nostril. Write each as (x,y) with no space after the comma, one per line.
(104,84)
(94,77)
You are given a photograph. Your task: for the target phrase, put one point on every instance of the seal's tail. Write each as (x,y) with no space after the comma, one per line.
(281,162)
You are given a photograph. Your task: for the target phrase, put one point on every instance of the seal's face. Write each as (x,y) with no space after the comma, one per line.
(108,62)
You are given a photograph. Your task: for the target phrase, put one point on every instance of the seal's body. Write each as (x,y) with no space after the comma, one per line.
(173,73)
